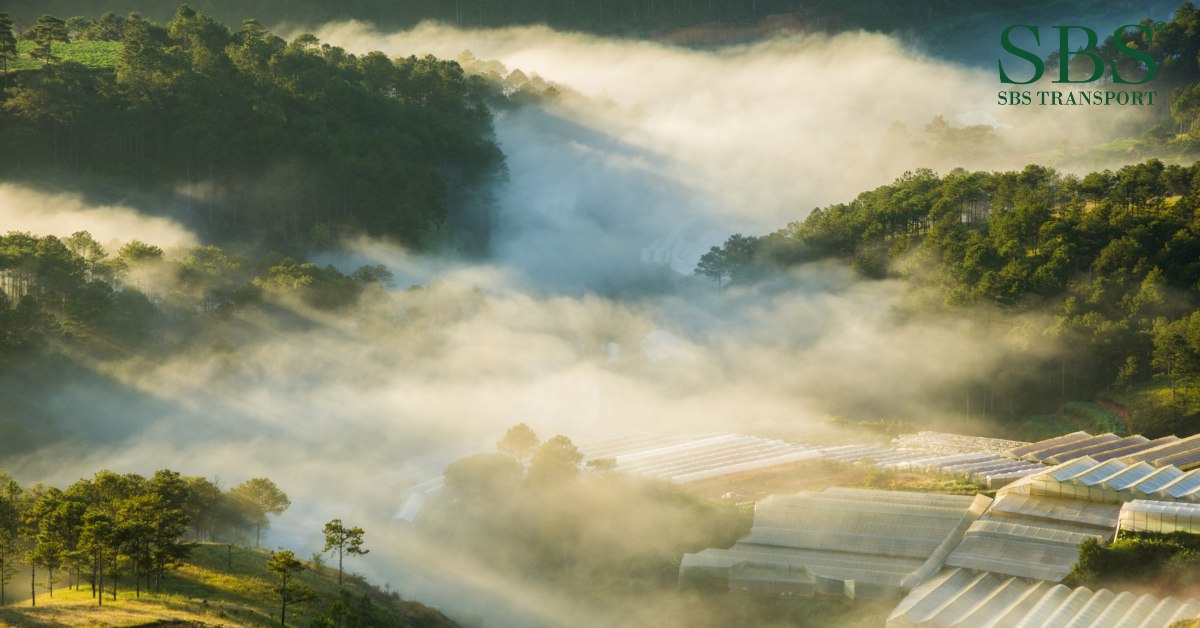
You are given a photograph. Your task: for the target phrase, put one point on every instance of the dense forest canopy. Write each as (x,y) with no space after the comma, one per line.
(602,16)
(287,144)
(1111,259)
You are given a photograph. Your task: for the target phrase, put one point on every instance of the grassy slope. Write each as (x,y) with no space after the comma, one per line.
(1071,416)
(204,592)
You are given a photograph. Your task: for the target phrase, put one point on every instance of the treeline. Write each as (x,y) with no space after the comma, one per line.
(261,140)
(139,298)
(102,529)
(600,16)
(1112,259)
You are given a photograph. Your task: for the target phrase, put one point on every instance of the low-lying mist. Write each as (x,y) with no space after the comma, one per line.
(584,316)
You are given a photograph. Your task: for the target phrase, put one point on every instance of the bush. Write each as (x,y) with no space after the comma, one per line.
(1168,561)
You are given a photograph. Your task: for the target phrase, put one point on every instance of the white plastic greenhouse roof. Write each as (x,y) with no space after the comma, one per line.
(845,538)
(1112,481)
(1183,453)
(1033,536)
(1157,516)
(959,598)
(687,459)
(947,443)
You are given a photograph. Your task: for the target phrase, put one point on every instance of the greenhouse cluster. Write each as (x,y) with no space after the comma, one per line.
(962,561)
(1183,453)
(854,542)
(959,598)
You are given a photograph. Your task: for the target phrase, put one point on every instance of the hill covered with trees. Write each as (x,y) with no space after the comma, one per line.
(264,141)
(1108,264)
(164,546)
(604,16)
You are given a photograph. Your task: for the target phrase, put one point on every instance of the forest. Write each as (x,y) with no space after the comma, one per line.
(250,139)
(100,529)
(622,17)
(1110,260)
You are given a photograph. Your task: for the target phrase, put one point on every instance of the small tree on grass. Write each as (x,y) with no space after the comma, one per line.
(260,497)
(286,566)
(344,542)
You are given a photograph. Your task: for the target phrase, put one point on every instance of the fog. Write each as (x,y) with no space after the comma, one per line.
(24,208)
(652,155)
(766,132)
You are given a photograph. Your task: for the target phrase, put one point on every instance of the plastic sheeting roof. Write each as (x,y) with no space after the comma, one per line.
(958,598)
(1166,451)
(888,540)
(1155,516)
(1112,481)
(947,443)
(687,459)
(1032,536)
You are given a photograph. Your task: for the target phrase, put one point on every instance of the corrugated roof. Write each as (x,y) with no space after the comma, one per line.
(855,536)
(957,598)
(1022,451)
(1086,479)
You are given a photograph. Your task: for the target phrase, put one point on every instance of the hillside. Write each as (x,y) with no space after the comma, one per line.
(204,591)
(305,142)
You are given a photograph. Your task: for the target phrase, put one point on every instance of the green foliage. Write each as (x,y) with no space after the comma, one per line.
(45,32)
(101,55)
(344,542)
(591,534)
(305,141)
(519,441)
(71,292)
(106,528)
(286,567)
(1168,561)
(1109,261)
(556,460)
(1042,427)
(1091,418)
(8,48)
(260,497)
(735,259)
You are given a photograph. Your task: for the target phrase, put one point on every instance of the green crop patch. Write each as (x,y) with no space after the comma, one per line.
(93,54)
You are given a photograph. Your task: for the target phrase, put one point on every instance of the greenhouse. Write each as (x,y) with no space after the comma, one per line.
(680,459)
(947,443)
(1166,451)
(1183,453)
(1156,516)
(960,598)
(1033,448)
(1033,536)
(1113,481)
(986,468)
(856,542)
